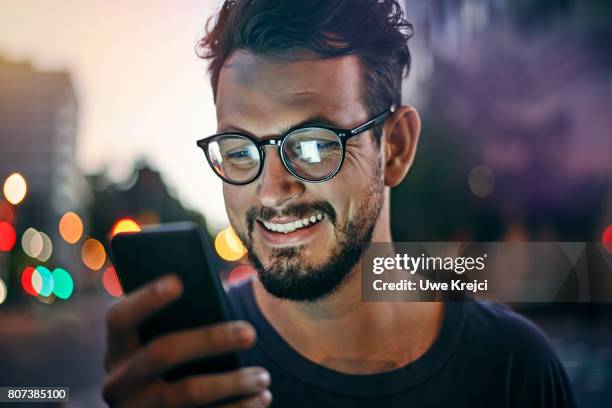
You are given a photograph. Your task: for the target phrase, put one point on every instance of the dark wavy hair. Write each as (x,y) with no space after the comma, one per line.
(373,30)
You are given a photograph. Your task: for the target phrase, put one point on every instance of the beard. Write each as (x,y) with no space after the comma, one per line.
(289,276)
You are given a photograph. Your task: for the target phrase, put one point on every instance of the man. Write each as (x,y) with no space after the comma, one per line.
(310,140)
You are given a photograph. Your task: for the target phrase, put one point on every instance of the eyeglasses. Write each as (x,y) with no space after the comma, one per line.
(310,153)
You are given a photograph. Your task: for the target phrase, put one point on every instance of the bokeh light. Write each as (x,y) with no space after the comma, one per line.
(228,245)
(241,272)
(71,227)
(26,281)
(481,181)
(7,236)
(62,283)
(3,291)
(93,254)
(47,248)
(6,211)
(32,243)
(233,241)
(42,281)
(15,188)
(606,239)
(111,282)
(125,225)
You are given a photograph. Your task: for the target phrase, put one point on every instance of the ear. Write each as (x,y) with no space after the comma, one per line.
(400,136)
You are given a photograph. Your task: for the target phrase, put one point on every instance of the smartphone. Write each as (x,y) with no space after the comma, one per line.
(183,249)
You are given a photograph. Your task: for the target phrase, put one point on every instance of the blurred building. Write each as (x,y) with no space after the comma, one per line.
(38,139)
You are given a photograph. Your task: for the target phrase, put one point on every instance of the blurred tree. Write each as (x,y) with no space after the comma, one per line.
(144,197)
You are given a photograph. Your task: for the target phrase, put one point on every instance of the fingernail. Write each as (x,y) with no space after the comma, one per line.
(242,333)
(265,398)
(161,285)
(164,284)
(262,379)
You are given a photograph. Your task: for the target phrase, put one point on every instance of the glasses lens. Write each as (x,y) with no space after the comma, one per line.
(233,157)
(313,153)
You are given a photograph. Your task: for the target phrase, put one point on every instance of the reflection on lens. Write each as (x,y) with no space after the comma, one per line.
(234,157)
(313,153)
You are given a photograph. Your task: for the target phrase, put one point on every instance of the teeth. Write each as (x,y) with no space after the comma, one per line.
(292,226)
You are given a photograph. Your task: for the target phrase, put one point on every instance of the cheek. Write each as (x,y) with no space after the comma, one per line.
(352,183)
(344,194)
(236,205)
(359,162)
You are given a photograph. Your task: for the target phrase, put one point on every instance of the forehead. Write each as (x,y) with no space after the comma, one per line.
(258,89)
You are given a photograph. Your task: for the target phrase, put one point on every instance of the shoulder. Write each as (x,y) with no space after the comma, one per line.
(534,374)
(508,329)
(495,328)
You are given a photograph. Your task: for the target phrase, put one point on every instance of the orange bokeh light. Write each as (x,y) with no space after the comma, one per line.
(233,241)
(125,225)
(93,254)
(228,246)
(71,227)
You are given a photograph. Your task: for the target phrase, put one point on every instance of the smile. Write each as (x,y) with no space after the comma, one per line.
(293,225)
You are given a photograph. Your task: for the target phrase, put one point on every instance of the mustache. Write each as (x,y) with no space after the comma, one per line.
(296,210)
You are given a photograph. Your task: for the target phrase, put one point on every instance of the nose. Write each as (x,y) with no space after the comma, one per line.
(276,185)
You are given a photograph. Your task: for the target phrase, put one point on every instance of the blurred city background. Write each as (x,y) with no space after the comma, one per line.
(101,104)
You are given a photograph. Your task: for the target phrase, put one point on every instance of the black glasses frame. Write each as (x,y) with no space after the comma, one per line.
(343,135)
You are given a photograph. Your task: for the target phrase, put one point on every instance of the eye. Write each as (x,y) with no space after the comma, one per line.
(326,144)
(239,154)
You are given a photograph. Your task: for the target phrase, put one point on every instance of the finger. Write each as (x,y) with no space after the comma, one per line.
(170,350)
(198,390)
(261,400)
(131,310)
(125,315)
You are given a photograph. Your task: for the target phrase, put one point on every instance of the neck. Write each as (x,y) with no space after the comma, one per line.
(343,333)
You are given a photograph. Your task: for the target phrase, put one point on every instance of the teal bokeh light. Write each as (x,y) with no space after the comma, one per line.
(62,283)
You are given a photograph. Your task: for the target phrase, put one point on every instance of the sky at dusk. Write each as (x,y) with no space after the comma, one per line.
(141,89)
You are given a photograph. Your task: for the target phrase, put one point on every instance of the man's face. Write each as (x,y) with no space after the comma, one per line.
(264,98)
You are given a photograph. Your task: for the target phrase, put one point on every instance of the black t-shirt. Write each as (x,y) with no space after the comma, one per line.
(485,356)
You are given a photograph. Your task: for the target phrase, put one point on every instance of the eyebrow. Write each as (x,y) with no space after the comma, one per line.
(317,120)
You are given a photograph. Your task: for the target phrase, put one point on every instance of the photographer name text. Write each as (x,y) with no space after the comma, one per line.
(410,265)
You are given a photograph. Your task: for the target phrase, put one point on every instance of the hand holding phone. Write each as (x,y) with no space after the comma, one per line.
(144,346)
